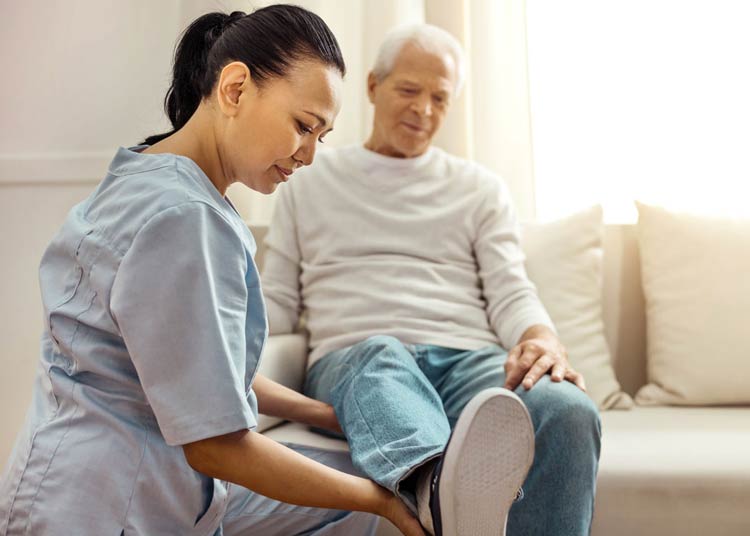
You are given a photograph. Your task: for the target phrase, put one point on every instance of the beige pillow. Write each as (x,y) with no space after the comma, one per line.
(564,260)
(696,281)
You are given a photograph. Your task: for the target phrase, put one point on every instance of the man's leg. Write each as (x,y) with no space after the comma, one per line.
(392,416)
(251,514)
(560,487)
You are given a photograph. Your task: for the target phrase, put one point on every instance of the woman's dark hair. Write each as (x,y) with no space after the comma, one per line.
(268,41)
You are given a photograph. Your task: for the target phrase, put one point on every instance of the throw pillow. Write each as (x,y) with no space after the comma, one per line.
(696,281)
(564,260)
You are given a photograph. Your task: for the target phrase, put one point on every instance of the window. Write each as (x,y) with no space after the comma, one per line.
(645,99)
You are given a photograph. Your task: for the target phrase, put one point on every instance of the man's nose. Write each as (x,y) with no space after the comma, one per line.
(422,105)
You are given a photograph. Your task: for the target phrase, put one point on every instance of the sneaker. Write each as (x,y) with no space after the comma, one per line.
(483,466)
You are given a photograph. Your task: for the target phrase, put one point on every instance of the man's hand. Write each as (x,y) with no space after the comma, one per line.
(539,352)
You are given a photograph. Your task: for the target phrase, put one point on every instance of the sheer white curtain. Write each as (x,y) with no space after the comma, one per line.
(489,122)
(645,99)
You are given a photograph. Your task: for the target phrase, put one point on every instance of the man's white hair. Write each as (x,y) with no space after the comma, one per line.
(428,37)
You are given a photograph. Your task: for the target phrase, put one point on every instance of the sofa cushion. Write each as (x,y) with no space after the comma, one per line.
(697,289)
(283,361)
(674,470)
(564,260)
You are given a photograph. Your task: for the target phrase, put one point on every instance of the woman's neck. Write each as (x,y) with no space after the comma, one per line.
(196,141)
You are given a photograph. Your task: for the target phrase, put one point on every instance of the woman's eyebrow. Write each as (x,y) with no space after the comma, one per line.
(316,116)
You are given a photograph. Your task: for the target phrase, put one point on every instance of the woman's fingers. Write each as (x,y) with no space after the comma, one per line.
(399,515)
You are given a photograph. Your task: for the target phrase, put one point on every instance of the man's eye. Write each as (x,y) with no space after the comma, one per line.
(407,91)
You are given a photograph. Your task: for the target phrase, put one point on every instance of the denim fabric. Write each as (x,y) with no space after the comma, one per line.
(397,403)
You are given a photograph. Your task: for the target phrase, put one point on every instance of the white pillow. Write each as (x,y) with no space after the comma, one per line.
(564,260)
(696,281)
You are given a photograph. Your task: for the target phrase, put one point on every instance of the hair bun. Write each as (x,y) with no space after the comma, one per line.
(230,19)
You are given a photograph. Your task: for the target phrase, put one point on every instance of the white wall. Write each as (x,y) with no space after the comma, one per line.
(80,78)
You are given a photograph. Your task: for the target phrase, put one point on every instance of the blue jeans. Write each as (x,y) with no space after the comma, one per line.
(398,402)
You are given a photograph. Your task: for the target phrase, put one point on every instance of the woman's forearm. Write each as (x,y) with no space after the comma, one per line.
(278,401)
(271,469)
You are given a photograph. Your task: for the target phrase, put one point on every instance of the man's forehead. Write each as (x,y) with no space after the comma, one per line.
(411,79)
(413,63)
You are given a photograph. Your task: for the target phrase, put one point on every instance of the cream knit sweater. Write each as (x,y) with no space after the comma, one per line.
(424,249)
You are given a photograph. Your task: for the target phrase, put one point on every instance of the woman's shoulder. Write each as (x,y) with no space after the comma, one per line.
(140,191)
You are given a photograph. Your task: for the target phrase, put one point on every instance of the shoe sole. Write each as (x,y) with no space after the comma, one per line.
(486,462)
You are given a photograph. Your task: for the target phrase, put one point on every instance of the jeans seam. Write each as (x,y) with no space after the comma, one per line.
(372,435)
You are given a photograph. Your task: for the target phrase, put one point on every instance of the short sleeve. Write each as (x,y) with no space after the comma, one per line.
(180,301)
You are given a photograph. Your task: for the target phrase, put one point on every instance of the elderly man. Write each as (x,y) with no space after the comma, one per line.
(425,332)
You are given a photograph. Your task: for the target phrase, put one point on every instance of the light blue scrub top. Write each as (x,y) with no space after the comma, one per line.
(155,323)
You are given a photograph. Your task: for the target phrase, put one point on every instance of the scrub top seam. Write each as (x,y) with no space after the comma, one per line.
(49,462)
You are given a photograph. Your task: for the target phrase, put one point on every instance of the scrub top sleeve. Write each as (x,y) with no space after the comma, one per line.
(180,301)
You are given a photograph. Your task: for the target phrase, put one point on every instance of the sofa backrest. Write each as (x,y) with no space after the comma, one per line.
(624,306)
(622,302)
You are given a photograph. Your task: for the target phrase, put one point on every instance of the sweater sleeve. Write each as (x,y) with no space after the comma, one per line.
(281,268)
(513,305)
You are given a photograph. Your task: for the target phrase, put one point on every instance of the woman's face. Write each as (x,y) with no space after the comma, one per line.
(275,128)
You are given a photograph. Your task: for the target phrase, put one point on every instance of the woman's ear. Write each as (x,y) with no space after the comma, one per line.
(234,80)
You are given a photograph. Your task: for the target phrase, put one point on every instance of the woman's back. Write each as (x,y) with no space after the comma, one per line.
(103,404)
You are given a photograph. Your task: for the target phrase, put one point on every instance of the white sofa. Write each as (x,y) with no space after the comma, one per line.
(663,470)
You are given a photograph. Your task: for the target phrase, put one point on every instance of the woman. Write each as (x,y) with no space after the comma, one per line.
(143,408)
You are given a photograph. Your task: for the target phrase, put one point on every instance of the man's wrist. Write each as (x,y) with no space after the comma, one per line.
(538,331)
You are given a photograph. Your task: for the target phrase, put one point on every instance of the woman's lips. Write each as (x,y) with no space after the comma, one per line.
(283,173)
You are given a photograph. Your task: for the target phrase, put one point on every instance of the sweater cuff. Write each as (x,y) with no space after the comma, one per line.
(525,319)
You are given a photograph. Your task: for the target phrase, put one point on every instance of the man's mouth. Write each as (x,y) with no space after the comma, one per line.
(413,128)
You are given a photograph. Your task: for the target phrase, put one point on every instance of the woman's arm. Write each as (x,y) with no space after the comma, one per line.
(271,469)
(278,401)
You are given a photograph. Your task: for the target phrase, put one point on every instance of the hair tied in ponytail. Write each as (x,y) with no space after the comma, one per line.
(233,17)
(268,41)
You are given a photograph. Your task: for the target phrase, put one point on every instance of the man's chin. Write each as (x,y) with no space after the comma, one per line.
(414,150)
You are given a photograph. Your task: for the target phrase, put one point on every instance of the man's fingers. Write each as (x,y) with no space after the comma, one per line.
(558,372)
(539,369)
(576,378)
(512,357)
(514,372)
(513,376)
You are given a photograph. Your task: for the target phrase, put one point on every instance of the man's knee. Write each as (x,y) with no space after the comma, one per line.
(564,408)
(378,349)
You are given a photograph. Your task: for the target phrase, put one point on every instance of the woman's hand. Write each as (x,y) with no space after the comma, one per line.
(395,511)
(278,401)
(324,416)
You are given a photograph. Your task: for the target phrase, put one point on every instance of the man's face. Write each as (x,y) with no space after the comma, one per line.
(410,102)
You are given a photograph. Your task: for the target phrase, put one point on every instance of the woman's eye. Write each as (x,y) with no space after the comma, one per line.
(304,128)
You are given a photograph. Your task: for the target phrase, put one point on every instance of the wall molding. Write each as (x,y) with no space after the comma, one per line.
(53,168)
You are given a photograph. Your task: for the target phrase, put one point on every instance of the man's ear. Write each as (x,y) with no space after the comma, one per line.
(234,80)
(372,83)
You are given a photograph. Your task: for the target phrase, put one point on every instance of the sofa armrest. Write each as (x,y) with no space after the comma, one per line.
(284,360)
